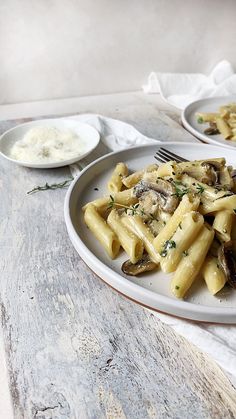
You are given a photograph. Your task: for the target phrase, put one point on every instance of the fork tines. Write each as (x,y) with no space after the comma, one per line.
(165,155)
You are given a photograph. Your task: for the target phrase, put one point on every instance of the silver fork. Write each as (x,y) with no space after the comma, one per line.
(163,155)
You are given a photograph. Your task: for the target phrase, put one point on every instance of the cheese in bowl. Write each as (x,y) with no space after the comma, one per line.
(47,144)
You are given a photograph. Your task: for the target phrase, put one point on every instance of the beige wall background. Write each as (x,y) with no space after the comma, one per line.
(63,48)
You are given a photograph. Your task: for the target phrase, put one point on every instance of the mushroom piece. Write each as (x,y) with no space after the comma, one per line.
(205,172)
(153,196)
(212,129)
(227,259)
(143,265)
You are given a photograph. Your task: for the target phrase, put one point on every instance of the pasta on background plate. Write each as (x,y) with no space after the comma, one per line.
(222,122)
(176,217)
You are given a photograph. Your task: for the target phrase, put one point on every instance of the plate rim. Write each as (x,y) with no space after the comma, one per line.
(198,134)
(221,314)
(55,164)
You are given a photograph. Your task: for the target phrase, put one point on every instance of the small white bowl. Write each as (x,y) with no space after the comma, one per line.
(89,135)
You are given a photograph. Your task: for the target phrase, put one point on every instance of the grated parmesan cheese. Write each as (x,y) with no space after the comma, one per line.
(47,144)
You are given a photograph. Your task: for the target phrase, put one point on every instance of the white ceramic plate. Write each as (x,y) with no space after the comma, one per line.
(88,135)
(152,289)
(189,119)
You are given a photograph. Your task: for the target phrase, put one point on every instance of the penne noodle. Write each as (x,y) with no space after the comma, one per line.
(217,162)
(188,203)
(171,168)
(213,275)
(224,128)
(185,234)
(226,203)
(128,240)
(202,189)
(125,197)
(191,264)
(207,117)
(135,224)
(102,231)
(135,177)
(115,182)
(223,225)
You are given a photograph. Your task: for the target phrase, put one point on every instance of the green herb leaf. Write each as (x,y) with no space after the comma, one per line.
(200,120)
(169,244)
(200,188)
(163,253)
(180,189)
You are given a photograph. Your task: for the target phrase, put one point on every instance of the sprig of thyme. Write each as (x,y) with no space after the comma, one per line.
(53,186)
(180,189)
(132,209)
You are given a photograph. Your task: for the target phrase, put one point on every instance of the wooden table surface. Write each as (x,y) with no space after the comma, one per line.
(74,348)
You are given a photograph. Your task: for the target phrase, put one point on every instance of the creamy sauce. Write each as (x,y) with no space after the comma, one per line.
(47,144)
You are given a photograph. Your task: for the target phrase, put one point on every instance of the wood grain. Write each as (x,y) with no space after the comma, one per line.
(75,348)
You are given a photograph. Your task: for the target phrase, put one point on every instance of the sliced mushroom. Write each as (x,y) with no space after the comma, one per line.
(204,172)
(143,265)
(227,259)
(212,130)
(153,196)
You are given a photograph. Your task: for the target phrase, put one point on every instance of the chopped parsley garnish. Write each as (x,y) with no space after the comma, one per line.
(177,287)
(163,253)
(169,244)
(200,188)
(180,189)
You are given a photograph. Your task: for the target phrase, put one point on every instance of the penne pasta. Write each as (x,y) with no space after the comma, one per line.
(223,127)
(128,240)
(213,275)
(191,264)
(115,182)
(223,225)
(102,231)
(187,204)
(125,197)
(137,226)
(226,203)
(168,169)
(202,189)
(135,177)
(220,123)
(206,116)
(173,249)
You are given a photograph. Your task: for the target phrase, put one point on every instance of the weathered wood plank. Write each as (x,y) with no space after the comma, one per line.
(75,348)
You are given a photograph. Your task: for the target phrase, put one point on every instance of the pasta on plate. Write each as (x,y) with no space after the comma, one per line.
(222,122)
(177,217)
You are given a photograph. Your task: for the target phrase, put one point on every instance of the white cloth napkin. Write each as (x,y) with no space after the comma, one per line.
(180,89)
(219,341)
